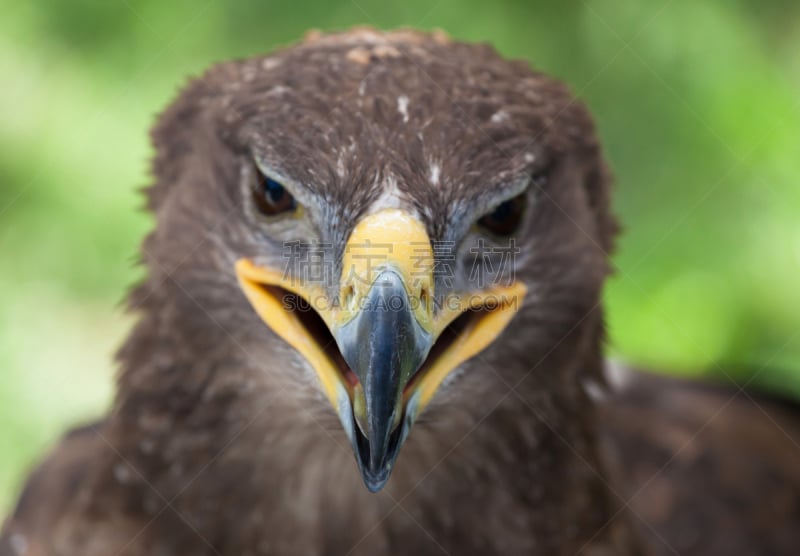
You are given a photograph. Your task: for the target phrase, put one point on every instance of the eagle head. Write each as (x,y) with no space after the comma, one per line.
(382,220)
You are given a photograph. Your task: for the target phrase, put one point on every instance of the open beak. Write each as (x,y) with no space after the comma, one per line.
(383,346)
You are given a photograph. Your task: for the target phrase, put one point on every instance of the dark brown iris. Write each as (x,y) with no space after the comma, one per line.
(506,217)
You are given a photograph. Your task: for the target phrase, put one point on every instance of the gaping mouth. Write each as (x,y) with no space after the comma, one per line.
(382,352)
(314,327)
(460,339)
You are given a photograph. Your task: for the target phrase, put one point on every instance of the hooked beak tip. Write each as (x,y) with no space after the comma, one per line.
(375,483)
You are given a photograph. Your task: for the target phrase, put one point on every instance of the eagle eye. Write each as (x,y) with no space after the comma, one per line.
(270,197)
(506,217)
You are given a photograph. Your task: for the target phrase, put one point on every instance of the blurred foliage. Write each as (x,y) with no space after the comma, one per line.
(697,104)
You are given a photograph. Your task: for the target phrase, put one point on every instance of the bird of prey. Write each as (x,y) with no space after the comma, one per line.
(372,324)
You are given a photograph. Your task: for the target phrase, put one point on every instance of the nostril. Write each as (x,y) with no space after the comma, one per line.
(346,296)
(425,298)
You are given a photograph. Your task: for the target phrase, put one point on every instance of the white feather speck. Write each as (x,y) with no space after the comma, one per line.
(499,116)
(402,107)
(340,166)
(435,171)
(278,90)
(595,391)
(270,63)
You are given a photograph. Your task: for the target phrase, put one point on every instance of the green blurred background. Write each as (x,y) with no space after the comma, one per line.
(697,104)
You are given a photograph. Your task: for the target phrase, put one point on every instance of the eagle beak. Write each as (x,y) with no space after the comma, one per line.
(385,344)
(385,329)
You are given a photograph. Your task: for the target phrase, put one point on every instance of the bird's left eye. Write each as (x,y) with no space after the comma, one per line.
(271,197)
(506,217)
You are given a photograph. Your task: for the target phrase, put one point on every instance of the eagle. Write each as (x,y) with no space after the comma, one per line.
(372,323)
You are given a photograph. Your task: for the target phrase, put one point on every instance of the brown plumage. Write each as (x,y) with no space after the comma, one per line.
(221,440)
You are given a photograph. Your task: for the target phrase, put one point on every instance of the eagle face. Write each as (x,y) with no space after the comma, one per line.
(390,205)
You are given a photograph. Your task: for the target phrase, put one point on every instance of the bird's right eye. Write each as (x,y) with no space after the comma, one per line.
(270,197)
